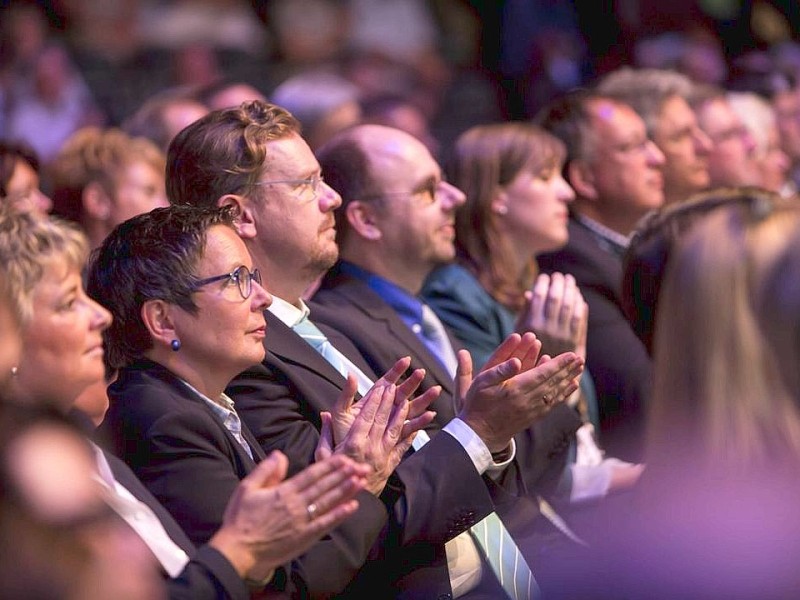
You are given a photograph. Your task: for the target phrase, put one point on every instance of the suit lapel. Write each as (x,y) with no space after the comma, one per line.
(373,306)
(289,347)
(178,388)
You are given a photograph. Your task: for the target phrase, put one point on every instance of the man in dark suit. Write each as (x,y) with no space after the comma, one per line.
(390,241)
(615,171)
(253,158)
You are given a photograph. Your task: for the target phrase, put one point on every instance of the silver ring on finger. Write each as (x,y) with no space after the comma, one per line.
(546,399)
(312,510)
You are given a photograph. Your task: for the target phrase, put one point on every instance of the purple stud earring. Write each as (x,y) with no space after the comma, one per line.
(175,345)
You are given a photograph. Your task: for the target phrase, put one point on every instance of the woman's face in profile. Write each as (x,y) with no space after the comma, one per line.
(537,208)
(62,344)
(227,331)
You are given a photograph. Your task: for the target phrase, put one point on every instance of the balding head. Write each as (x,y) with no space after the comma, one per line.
(394,202)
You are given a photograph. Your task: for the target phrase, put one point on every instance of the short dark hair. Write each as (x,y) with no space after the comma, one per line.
(153,256)
(345,167)
(570,119)
(224,152)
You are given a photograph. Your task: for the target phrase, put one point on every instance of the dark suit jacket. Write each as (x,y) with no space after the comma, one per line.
(187,458)
(208,574)
(351,306)
(617,359)
(434,494)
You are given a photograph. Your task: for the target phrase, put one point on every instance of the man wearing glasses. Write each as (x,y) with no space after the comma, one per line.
(253,158)
(731,161)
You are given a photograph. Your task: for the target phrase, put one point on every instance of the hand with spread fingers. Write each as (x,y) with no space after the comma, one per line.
(269,521)
(348,409)
(515,388)
(557,313)
(379,428)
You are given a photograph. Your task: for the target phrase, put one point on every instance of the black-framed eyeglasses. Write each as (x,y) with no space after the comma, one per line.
(241,276)
(427,192)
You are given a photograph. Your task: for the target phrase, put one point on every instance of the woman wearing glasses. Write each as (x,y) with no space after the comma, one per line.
(59,329)
(187,310)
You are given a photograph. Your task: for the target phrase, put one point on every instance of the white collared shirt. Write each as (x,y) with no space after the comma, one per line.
(140,518)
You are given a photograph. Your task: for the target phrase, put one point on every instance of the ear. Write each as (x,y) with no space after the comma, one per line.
(157,318)
(244,222)
(362,220)
(499,203)
(96,202)
(581,178)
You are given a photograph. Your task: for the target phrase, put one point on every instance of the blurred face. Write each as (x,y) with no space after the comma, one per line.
(53,470)
(685,147)
(234,95)
(23,190)
(787,112)
(62,344)
(227,332)
(732,158)
(773,164)
(139,189)
(296,236)
(536,209)
(416,210)
(625,167)
(339,119)
(180,114)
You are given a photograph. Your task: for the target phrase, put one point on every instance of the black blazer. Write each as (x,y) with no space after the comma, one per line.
(208,573)
(434,494)
(616,357)
(191,463)
(381,336)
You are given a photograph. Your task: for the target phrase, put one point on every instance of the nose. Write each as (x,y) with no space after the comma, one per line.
(655,158)
(749,141)
(565,191)
(329,198)
(42,201)
(702,143)
(101,318)
(782,160)
(261,299)
(450,196)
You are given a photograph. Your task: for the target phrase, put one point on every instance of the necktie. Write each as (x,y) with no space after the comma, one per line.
(491,536)
(312,334)
(499,549)
(436,336)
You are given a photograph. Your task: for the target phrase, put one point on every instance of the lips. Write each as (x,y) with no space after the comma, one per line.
(259,331)
(95,348)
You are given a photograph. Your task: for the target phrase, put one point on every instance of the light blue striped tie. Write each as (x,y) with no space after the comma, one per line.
(499,549)
(312,334)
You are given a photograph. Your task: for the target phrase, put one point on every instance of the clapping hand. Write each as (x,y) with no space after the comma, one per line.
(269,521)
(557,313)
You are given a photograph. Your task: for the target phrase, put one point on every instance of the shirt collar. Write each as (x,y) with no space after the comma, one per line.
(405,304)
(619,243)
(289,314)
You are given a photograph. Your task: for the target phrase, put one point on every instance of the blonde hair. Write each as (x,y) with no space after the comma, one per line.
(93,154)
(29,242)
(726,384)
(485,159)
